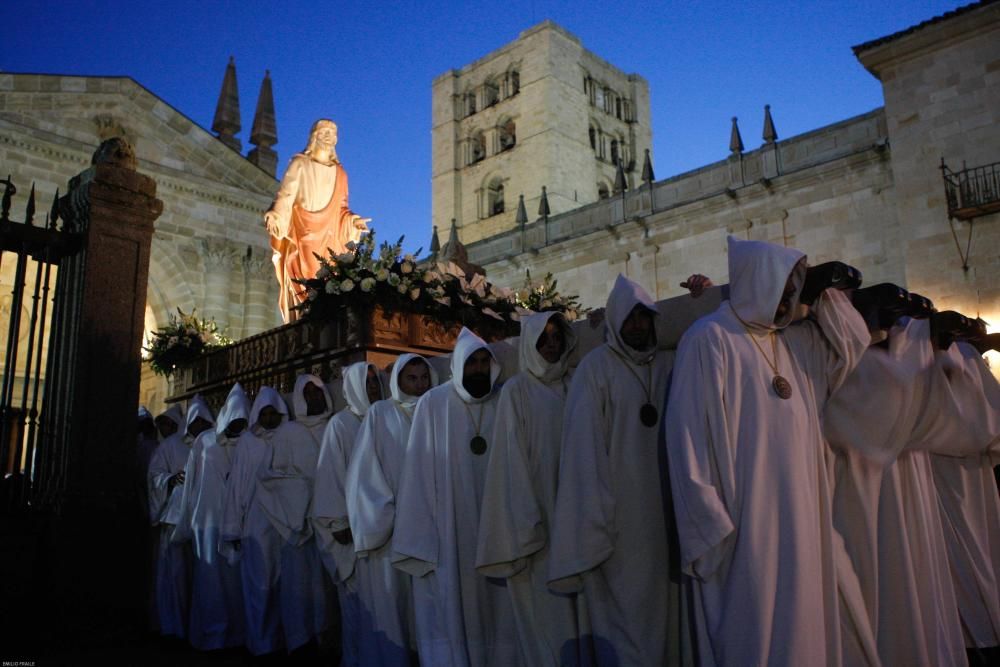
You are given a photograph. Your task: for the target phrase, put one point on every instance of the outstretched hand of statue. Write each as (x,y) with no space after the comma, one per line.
(361,223)
(271,223)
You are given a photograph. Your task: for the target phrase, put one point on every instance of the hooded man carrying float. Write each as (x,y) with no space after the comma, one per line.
(361,388)
(462,618)
(166,478)
(270,488)
(217,617)
(373,477)
(520,495)
(747,463)
(609,527)
(312,405)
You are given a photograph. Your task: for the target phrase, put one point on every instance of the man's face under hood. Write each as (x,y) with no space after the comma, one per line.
(637,329)
(269,418)
(552,342)
(235,427)
(785,305)
(476,373)
(166,426)
(197,426)
(315,399)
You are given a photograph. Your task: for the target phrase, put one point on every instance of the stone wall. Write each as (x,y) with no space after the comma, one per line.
(830,194)
(941,83)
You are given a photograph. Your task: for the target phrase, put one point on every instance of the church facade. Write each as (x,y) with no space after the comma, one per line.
(210,250)
(869,190)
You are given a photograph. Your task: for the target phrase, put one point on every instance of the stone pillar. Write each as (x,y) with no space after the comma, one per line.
(261,300)
(92,393)
(218,261)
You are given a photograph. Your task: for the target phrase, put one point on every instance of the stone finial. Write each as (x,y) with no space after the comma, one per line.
(621,185)
(522,213)
(264,133)
(647,169)
(435,243)
(735,140)
(116,151)
(770,135)
(543,204)
(453,251)
(227,111)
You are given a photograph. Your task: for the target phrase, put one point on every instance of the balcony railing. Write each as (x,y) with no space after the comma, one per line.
(973,191)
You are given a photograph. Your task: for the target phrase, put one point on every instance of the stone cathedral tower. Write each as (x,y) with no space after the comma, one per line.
(540,111)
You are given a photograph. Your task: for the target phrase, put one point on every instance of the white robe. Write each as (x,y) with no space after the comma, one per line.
(270,488)
(173,561)
(890,523)
(384,592)
(329,508)
(967,492)
(462,618)
(217,617)
(748,470)
(516,521)
(610,537)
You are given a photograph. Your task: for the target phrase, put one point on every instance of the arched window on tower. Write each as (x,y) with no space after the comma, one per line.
(515,82)
(593,137)
(491,94)
(470,104)
(495,203)
(614,152)
(507,135)
(602,191)
(477,148)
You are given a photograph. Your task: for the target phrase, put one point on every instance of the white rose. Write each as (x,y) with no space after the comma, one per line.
(393,279)
(347,285)
(415,293)
(402,287)
(367,284)
(406,267)
(408,257)
(382,275)
(331,287)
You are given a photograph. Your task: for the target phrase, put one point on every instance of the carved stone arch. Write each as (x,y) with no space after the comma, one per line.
(604,188)
(167,289)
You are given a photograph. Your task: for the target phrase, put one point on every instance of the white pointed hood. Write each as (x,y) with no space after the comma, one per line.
(406,400)
(624,296)
(354,387)
(532,328)
(175,414)
(265,397)
(758,272)
(237,406)
(466,344)
(198,408)
(299,407)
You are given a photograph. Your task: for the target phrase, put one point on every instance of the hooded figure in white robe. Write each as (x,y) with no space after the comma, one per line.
(966,447)
(609,527)
(516,520)
(217,617)
(329,508)
(166,485)
(384,592)
(885,500)
(463,619)
(270,488)
(316,423)
(748,468)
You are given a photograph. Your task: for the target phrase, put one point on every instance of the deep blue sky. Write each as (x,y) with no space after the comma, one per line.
(369,66)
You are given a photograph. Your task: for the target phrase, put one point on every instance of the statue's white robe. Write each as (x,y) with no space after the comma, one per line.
(269,493)
(967,492)
(463,619)
(610,521)
(217,617)
(749,474)
(173,561)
